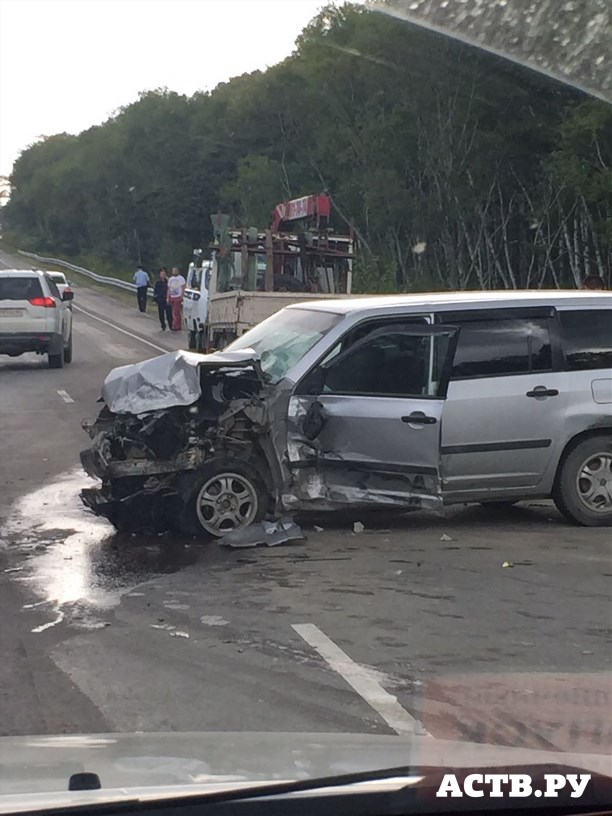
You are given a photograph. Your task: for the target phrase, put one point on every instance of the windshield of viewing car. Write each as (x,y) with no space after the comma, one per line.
(283,339)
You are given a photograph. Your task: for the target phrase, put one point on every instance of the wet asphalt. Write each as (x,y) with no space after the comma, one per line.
(108,632)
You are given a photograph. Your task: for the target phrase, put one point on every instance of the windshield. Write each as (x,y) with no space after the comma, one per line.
(284,338)
(313,474)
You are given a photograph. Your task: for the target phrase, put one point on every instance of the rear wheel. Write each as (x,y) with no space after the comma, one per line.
(223,496)
(583,490)
(68,351)
(56,360)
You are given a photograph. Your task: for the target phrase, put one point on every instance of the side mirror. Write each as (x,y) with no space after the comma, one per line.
(68,295)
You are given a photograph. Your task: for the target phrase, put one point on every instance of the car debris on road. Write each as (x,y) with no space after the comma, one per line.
(270,533)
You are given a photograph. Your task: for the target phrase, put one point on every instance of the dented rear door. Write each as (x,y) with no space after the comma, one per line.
(364,426)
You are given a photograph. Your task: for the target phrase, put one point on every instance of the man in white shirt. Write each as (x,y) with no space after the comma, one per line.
(141,279)
(176,287)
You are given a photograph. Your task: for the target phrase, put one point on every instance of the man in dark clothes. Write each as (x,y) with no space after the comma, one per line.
(160,296)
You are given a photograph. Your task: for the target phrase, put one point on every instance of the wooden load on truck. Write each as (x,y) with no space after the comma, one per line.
(254,274)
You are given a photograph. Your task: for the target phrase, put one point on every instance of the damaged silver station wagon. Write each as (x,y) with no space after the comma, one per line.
(404,402)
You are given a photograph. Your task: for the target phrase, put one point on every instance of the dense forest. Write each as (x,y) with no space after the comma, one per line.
(456,168)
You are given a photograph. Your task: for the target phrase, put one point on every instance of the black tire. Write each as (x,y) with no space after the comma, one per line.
(68,351)
(193,523)
(571,488)
(56,360)
(191,341)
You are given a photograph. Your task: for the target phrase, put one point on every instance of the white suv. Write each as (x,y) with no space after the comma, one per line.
(34,316)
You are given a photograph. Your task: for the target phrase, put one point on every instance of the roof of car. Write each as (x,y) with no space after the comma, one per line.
(447,300)
(20,273)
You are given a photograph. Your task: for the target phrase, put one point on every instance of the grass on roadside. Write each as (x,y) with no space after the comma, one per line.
(123,296)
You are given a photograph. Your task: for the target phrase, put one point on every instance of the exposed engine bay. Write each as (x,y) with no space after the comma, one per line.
(152,453)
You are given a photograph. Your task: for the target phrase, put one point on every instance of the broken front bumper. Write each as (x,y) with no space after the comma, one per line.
(94,499)
(98,467)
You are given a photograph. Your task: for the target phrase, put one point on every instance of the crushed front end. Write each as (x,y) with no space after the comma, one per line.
(162,421)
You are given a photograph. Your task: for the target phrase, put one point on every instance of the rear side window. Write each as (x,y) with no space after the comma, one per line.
(587,339)
(490,348)
(20,288)
(53,287)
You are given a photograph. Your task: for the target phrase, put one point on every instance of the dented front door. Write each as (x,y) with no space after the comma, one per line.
(364,425)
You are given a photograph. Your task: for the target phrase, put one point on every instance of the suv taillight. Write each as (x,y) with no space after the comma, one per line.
(46,302)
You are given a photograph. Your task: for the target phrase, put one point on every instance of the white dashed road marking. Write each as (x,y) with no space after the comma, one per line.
(65,396)
(362,679)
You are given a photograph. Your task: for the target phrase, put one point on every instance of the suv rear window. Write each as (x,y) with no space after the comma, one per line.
(490,348)
(20,288)
(587,338)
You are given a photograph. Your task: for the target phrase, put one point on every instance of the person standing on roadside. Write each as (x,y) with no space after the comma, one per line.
(141,279)
(176,287)
(160,296)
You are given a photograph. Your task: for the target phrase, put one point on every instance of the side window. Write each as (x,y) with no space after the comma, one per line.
(389,363)
(53,287)
(587,339)
(326,369)
(490,348)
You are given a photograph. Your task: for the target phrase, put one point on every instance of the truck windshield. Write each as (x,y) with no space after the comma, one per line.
(285,337)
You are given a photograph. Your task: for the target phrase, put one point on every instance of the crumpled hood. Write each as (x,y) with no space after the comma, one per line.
(165,381)
(44,764)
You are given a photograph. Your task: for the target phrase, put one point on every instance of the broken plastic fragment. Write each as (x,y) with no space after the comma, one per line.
(507,564)
(213,620)
(179,634)
(167,627)
(318,529)
(445,537)
(358,527)
(270,533)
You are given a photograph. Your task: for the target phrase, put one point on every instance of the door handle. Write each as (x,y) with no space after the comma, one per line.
(541,391)
(419,418)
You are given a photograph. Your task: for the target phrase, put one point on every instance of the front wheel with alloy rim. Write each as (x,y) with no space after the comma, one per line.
(583,490)
(222,497)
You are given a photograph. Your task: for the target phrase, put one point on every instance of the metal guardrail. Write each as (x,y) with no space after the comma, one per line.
(120,284)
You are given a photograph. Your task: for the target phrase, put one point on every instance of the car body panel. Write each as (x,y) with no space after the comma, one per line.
(493,435)
(36,769)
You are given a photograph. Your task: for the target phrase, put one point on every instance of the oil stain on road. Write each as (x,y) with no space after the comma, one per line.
(77,565)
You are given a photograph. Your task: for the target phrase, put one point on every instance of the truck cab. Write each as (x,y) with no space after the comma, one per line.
(196,300)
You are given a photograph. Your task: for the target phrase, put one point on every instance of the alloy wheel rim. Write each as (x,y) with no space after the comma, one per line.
(594,482)
(226,502)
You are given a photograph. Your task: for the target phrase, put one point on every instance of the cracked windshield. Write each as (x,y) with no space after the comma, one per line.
(306,404)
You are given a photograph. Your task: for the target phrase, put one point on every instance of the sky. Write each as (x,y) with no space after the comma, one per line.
(68,64)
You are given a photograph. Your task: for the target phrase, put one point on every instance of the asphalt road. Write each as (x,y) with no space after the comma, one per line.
(413,625)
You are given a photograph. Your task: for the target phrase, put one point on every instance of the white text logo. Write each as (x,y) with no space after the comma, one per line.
(513,785)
